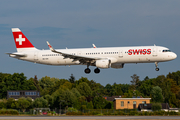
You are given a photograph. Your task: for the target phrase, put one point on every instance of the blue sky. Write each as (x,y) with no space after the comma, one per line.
(80,23)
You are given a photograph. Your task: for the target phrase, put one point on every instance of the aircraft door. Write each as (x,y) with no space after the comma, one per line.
(36,56)
(79,53)
(154,52)
(120,53)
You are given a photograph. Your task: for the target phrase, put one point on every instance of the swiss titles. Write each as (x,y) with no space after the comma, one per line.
(139,51)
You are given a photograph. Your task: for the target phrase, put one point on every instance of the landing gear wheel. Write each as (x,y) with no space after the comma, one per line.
(97,70)
(87,70)
(157,69)
(156,64)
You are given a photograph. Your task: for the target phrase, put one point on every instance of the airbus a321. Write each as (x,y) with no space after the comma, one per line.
(107,57)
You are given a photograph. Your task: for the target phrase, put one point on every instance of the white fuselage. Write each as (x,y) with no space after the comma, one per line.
(138,54)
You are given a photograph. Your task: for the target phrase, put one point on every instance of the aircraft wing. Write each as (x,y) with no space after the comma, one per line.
(16,54)
(82,59)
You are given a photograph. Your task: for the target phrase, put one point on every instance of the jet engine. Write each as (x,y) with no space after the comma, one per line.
(117,65)
(103,63)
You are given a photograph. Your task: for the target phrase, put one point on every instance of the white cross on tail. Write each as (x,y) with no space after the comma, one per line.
(20,39)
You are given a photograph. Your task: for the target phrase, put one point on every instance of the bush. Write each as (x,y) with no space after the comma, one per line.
(173,113)
(75,113)
(159,113)
(94,113)
(71,109)
(156,107)
(2,105)
(121,113)
(133,113)
(9,112)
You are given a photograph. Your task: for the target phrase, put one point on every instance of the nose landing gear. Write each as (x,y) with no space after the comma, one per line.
(157,69)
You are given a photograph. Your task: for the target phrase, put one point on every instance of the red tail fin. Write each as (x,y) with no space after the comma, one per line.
(22,43)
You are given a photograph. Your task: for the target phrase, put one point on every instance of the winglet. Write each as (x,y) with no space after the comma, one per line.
(94,46)
(50,47)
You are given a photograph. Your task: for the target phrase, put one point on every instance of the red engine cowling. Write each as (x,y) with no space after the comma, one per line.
(103,63)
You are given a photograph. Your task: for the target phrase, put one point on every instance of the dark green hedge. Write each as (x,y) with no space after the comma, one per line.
(131,113)
(9,112)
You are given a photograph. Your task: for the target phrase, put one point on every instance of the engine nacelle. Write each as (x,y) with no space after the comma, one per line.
(103,63)
(117,65)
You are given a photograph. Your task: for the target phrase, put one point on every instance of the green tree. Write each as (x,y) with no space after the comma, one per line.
(82,79)
(132,93)
(10,101)
(125,88)
(99,102)
(117,90)
(58,84)
(23,104)
(108,105)
(69,97)
(146,78)
(30,101)
(175,76)
(3,88)
(14,82)
(49,98)
(46,82)
(36,83)
(90,105)
(165,84)
(134,82)
(65,97)
(156,94)
(72,79)
(76,92)
(109,90)
(156,106)
(128,94)
(84,89)
(67,85)
(145,87)
(30,84)
(3,104)
(40,103)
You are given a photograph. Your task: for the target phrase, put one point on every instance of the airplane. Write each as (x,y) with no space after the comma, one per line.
(107,57)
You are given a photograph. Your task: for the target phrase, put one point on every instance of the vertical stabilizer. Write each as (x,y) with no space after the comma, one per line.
(22,43)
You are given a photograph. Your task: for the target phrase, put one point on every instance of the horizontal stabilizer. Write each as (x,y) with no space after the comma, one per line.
(16,54)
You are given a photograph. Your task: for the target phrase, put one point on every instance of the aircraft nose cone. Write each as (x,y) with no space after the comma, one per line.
(174,56)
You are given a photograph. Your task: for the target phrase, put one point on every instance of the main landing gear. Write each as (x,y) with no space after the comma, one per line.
(87,70)
(97,70)
(157,69)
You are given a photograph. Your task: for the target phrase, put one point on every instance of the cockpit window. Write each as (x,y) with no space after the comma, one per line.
(166,51)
